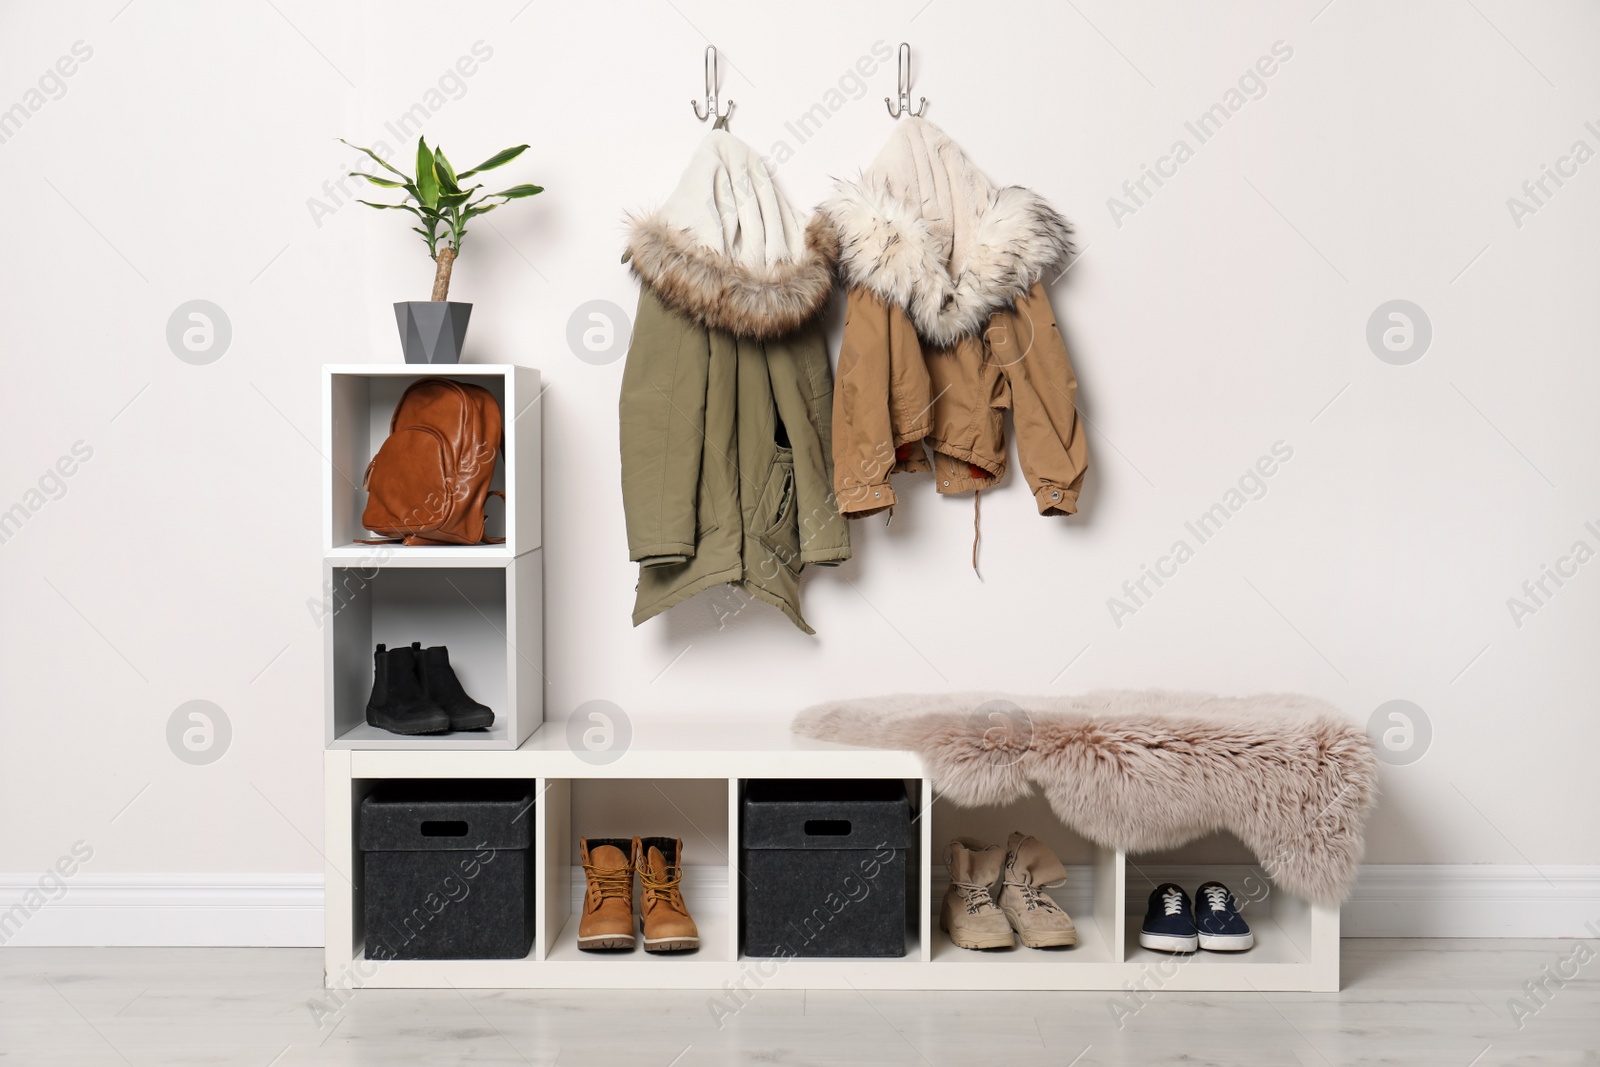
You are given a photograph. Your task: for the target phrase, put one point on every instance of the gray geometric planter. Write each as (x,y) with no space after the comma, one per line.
(431,331)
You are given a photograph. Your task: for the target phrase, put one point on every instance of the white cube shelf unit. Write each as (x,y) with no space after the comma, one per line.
(357,402)
(483,602)
(489,617)
(1297,942)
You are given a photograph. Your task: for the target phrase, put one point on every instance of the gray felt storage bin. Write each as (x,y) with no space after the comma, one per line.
(823,865)
(448,870)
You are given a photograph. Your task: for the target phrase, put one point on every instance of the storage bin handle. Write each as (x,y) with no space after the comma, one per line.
(443,828)
(827,827)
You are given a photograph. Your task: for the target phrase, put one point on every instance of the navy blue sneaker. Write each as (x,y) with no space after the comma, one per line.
(1216,917)
(1169,922)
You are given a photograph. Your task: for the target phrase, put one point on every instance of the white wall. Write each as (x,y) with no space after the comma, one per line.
(1226,314)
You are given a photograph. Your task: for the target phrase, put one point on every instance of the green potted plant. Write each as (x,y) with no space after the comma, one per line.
(431,331)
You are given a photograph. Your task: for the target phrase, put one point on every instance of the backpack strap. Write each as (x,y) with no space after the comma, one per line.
(496,540)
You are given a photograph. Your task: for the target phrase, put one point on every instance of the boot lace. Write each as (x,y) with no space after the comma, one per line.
(1172,901)
(1216,898)
(609,882)
(976,897)
(663,885)
(1033,897)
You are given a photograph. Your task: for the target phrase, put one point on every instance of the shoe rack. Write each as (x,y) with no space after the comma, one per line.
(673,764)
(483,601)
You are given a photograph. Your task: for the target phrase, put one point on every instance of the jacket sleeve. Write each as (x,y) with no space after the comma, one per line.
(663,414)
(1050,436)
(863,436)
(802,387)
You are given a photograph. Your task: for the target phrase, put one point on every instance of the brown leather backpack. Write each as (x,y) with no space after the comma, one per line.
(428,483)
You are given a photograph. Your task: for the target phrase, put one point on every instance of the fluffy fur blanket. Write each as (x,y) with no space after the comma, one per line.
(1287,775)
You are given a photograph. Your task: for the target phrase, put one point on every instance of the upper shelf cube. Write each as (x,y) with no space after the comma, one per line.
(357,402)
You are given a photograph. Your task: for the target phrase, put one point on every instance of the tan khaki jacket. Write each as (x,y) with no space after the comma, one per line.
(949,327)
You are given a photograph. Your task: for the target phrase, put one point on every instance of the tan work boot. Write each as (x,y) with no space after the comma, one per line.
(607,921)
(1038,920)
(663,917)
(969,914)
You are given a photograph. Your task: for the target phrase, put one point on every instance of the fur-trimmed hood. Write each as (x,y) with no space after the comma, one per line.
(925,230)
(727,250)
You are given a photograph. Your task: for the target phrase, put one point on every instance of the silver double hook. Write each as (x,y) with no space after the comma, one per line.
(905,89)
(711,94)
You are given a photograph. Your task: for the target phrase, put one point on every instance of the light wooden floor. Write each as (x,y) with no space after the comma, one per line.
(1405,1002)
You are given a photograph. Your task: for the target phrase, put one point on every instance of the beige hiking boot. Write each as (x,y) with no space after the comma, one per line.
(969,914)
(663,917)
(607,921)
(1038,920)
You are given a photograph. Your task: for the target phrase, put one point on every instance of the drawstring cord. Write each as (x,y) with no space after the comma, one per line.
(977,533)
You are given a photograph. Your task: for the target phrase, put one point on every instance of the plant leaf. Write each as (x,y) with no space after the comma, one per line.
(499,159)
(375,158)
(447,174)
(451,201)
(375,180)
(517,191)
(393,207)
(427,176)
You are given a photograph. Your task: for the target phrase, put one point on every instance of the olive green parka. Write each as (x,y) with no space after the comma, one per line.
(727,396)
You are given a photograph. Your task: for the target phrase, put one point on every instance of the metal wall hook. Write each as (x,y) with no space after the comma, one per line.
(712,81)
(904,86)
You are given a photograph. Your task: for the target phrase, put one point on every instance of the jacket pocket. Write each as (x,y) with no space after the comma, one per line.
(778,525)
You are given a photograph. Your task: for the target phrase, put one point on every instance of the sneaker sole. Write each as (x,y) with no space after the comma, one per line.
(601,942)
(1168,942)
(1227,942)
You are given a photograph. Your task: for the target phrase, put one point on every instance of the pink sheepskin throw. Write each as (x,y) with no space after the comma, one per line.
(1289,776)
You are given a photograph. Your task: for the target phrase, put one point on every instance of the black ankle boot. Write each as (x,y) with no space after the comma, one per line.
(439,681)
(398,703)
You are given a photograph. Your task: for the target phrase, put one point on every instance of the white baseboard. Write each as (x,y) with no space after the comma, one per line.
(1473,900)
(277,910)
(273,910)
